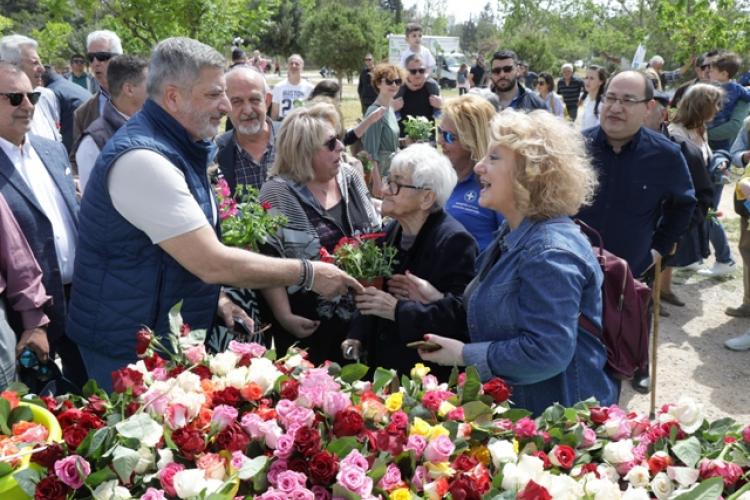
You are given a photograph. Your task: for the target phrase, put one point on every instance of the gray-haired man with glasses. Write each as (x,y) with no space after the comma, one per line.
(645,197)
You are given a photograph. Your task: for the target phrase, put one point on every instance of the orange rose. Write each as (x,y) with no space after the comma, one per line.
(12,398)
(252,392)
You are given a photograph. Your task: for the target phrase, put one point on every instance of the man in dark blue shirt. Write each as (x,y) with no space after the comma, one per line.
(645,197)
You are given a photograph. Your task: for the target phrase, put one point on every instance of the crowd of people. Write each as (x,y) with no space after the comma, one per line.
(105,231)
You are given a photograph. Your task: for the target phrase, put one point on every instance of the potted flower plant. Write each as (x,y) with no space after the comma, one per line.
(363,259)
(418,129)
(246,222)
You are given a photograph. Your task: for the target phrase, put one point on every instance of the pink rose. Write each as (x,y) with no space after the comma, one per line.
(223,416)
(153,494)
(355,480)
(589,437)
(213,465)
(334,402)
(290,480)
(284,446)
(222,187)
(242,348)
(72,470)
(301,493)
(525,428)
(420,478)
(252,424)
(400,419)
(276,468)
(159,374)
(176,416)
(391,479)
(746,434)
(728,471)
(321,493)
(416,443)
(355,459)
(196,353)
(166,477)
(439,449)
(272,494)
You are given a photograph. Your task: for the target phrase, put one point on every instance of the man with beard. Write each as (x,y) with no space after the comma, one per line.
(148,232)
(247,151)
(419,96)
(504,75)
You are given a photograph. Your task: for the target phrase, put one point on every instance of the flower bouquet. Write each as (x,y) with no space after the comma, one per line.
(418,129)
(245,221)
(362,258)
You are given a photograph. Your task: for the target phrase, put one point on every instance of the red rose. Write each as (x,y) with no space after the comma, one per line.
(534,491)
(51,488)
(229,396)
(599,415)
(50,402)
(289,389)
(390,442)
(48,456)
(563,456)
(348,422)
(544,458)
(154,361)
(69,417)
(498,389)
(233,438)
(464,463)
(245,360)
(142,341)
(189,441)
(96,405)
(728,471)
(127,378)
(462,488)
(266,205)
(90,421)
(132,407)
(658,462)
(586,468)
(202,371)
(307,441)
(73,435)
(323,467)
(297,464)
(172,373)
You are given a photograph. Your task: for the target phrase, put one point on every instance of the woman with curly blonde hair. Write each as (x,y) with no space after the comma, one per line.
(538,275)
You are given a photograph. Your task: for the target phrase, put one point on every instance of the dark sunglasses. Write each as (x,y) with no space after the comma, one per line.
(418,71)
(397,81)
(100,56)
(77,61)
(331,143)
(448,137)
(503,69)
(16,98)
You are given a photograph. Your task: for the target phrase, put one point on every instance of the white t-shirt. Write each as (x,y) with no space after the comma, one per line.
(285,94)
(86,156)
(588,118)
(46,120)
(429,61)
(152,194)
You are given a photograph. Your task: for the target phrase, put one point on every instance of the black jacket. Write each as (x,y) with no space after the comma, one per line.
(70,96)
(444,254)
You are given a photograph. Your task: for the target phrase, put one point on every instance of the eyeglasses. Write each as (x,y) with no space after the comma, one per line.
(609,100)
(417,71)
(448,137)
(394,187)
(397,81)
(332,143)
(503,69)
(705,67)
(16,98)
(100,56)
(77,61)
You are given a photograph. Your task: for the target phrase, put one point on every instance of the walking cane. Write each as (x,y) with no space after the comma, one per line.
(656,294)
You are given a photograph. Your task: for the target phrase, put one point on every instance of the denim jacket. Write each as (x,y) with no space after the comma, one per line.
(522,314)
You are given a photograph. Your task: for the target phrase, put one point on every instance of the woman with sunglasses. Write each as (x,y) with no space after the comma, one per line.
(323,199)
(431,244)
(381,139)
(594,83)
(463,135)
(545,86)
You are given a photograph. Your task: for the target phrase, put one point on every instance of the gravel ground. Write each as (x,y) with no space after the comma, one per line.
(692,359)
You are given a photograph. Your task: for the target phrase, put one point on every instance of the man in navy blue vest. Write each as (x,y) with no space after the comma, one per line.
(36,181)
(148,235)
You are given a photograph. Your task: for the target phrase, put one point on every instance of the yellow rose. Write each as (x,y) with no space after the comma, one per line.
(420,427)
(419,370)
(481,453)
(437,431)
(445,408)
(400,494)
(394,401)
(440,469)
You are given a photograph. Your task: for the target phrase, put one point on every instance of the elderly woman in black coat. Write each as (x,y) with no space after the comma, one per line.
(431,245)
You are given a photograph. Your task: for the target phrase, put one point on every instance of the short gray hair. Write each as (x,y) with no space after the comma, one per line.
(9,68)
(249,71)
(566,66)
(115,46)
(179,61)
(428,169)
(11,46)
(656,60)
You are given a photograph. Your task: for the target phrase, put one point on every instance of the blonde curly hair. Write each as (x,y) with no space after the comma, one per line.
(472,115)
(553,176)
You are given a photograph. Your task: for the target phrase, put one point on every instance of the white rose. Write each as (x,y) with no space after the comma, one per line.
(638,476)
(193,401)
(662,486)
(293,361)
(562,487)
(237,377)
(744,496)
(608,471)
(145,460)
(165,457)
(189,382)
(141,427)
(636,494)
(111,490)
(516,476)
(684,476)
(189,483)
(689,413)
(601,489)
(502,451)
(618,452)
(264,373)
(221,363)
(511,477)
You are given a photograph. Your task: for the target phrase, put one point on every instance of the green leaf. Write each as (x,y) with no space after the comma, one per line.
(382,378)
(377,472)
(353,372)
(98,444)
(688,451)
(4,414)
(91,388)
(98,477)
(175,318)
(472,384)
(5,469)
(516,414)
(142,427)
(20,414)
(252,468)
(476,410)
(124,461)
(341,492)
(28,478)
(554,413)
(709,489)
(738,493)
(342,446)
(19,388)
(453,378)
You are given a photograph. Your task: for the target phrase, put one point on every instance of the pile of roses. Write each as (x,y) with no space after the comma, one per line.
(247,424)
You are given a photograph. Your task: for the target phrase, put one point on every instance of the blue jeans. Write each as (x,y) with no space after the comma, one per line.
(716,234)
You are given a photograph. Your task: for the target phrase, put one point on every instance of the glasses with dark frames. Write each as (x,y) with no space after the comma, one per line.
(503,69)
(448,137)
(397,81)
(394,187)
(418,71)
(100,56)
(331,143)
(16,98)
(609,100)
